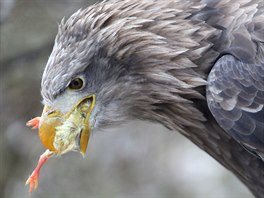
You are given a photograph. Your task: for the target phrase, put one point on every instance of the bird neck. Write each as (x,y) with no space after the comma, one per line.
(216,142)
(186,111)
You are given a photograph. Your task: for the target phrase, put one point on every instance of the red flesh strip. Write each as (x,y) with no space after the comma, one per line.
(34,123)
(33,178)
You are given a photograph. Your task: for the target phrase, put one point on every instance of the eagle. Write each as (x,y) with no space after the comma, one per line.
(194,66)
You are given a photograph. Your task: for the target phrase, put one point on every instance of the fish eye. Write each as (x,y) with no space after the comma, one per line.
(76,84)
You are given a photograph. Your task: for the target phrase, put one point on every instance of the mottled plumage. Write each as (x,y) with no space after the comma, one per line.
(235,97)
(150,60)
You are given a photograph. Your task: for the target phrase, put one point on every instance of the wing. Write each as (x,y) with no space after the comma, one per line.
(235,96)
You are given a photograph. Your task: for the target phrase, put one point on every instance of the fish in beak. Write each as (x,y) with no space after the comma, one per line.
(61,133)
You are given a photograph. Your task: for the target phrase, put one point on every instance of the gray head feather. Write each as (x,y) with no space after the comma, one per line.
(129,53)
(139,55)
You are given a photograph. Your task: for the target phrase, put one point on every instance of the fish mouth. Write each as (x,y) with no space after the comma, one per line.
(62,132)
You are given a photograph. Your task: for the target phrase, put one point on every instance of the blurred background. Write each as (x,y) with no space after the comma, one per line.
(135,160)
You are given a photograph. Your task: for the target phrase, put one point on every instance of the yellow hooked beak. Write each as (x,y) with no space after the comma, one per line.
(61,133)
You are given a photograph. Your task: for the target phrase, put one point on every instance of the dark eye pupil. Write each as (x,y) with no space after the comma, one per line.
(76,83)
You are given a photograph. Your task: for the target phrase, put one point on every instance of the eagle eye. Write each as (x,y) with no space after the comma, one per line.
(76,84)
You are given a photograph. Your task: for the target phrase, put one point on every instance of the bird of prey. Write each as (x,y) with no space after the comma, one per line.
(194,66)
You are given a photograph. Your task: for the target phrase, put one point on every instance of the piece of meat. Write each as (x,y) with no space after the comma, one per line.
(34,123)
(33,178)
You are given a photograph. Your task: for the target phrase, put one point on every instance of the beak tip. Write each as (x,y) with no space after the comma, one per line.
(83,154)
